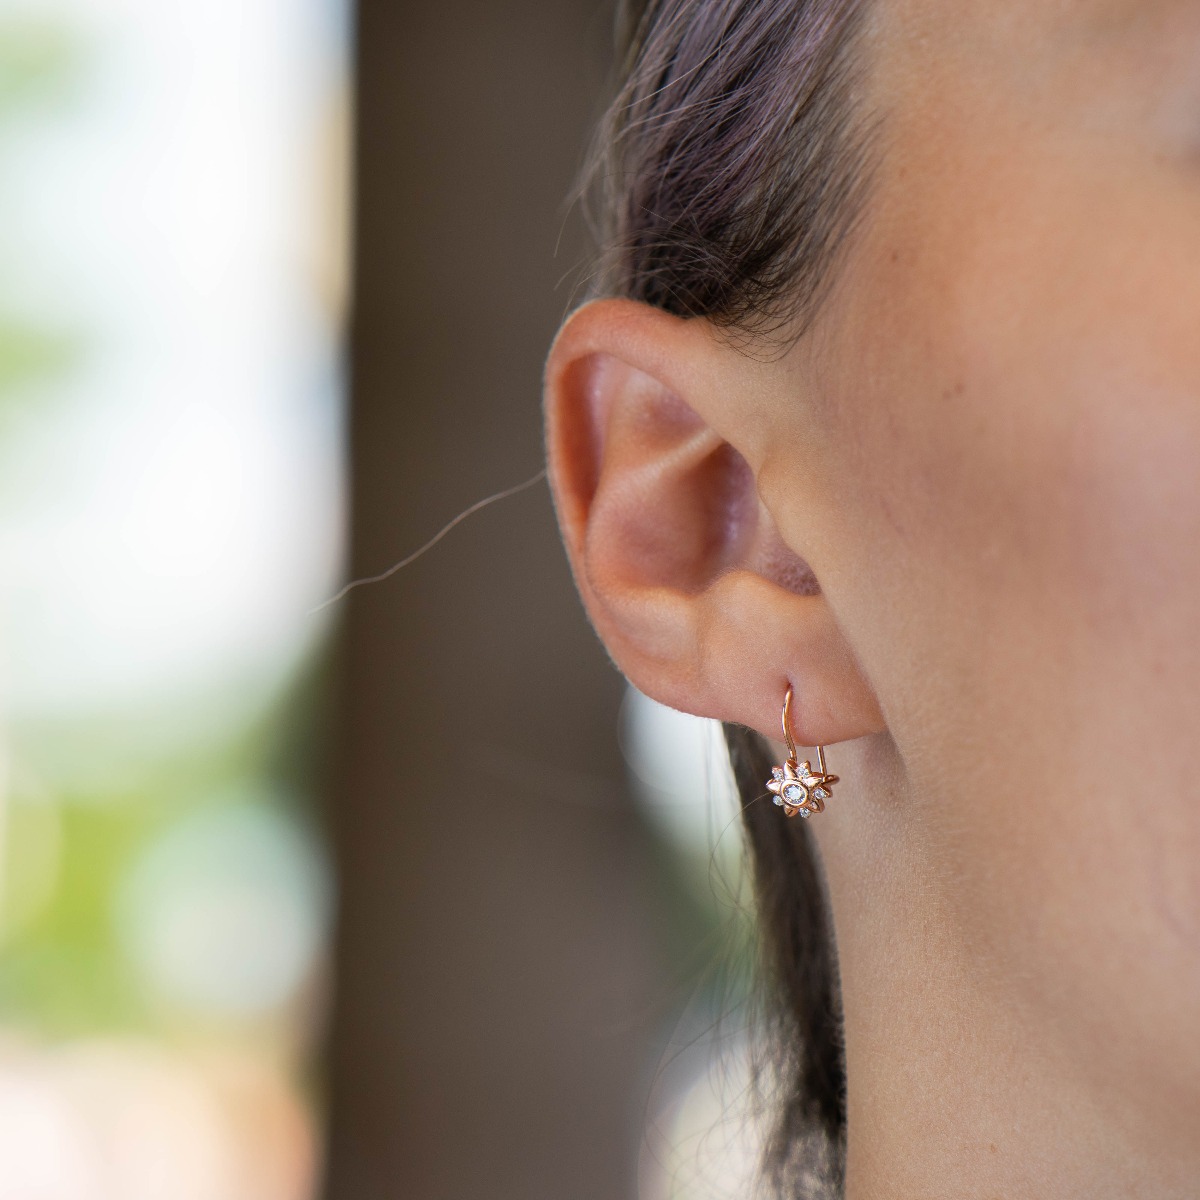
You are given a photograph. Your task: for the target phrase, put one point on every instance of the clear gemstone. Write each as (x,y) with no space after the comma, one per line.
(805,813)
(821,794)
(777,772)
(777,800)
(793,793)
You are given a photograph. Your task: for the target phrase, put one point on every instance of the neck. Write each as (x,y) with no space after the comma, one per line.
(955,1089)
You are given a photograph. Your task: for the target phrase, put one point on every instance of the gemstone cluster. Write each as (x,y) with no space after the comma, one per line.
(798,791)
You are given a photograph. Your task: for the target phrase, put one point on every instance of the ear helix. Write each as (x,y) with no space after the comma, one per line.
(799,790)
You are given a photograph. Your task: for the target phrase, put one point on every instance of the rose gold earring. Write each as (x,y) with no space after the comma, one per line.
(797,787)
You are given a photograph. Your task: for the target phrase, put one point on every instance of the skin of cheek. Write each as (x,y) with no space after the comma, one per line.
(1014,444)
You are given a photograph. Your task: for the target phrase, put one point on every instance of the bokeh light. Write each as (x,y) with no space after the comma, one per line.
(173,182)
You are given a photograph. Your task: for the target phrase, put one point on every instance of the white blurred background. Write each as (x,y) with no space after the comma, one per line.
(173,180)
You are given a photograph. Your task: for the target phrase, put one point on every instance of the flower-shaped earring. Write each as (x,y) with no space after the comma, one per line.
(798,788)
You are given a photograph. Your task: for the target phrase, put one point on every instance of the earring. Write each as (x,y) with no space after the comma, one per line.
(798,788)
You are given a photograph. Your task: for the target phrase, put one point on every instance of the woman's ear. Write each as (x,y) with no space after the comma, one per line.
(655,430)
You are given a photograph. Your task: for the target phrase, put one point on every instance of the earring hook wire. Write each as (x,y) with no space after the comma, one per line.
(790,739)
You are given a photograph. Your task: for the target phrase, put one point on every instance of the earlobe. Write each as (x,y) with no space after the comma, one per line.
(699,599)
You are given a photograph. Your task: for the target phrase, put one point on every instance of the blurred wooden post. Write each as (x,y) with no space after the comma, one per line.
(497,978)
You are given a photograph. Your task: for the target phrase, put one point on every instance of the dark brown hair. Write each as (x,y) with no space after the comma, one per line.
(732,163)
(728,172)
